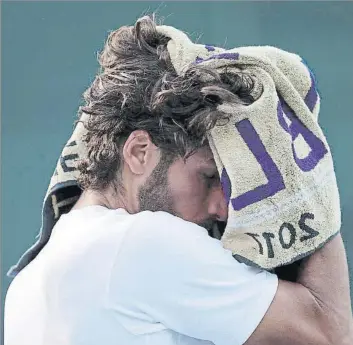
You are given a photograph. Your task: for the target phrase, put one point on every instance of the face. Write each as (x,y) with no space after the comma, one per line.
(189,189)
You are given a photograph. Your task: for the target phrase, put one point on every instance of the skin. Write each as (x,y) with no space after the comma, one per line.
(190,188)
(315,309)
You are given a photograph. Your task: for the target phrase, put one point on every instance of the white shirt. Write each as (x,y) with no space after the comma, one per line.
(110,278)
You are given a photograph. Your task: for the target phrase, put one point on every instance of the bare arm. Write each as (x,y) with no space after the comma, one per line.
(314,310)
(325,274)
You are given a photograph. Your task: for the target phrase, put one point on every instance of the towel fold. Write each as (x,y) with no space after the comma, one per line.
(274,161)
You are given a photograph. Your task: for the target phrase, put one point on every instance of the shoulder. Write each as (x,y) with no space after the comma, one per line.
(167,225)
(162,235)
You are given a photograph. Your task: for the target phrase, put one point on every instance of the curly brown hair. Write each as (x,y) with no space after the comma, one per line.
(138,89)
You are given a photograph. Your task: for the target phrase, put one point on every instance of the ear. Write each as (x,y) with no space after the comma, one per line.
(139,152)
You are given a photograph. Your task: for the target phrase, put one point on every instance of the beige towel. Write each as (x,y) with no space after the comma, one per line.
(276,167)
(274,161)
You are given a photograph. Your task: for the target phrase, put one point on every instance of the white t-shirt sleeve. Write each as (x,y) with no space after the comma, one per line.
(174,272)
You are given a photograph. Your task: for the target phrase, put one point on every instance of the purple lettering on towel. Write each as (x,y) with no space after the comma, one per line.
(318,149)
(227,56)
(71,143)
(209,48)
(271,171)
(68,158)
(312,95)
(226,185)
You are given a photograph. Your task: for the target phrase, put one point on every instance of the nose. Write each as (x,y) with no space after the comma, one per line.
(218,207)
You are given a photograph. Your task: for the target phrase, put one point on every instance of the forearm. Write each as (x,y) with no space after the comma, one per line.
(325,275)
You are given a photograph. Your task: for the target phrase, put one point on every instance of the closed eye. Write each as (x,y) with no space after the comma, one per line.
(210,179)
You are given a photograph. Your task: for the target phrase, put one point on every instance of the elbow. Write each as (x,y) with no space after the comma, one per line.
(333,338)
(330,325)
(344,336)
(341,339)
(336,327)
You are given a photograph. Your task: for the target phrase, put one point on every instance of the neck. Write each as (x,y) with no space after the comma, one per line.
(106,198)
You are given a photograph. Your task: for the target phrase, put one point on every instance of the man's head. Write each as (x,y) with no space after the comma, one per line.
(147,136)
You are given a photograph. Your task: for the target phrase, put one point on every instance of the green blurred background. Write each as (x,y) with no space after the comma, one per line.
(49,58)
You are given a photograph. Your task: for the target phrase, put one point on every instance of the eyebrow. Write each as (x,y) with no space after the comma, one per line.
(209,164)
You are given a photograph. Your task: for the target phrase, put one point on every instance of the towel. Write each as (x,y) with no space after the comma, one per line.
(275,164)
(62,193)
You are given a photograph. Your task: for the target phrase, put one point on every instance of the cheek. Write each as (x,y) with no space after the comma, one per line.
(189,195)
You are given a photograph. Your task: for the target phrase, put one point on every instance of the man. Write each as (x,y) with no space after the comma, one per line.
(133,262)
